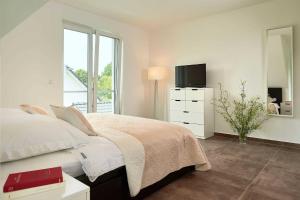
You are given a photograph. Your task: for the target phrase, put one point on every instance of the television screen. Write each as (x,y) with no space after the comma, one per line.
(179,76)
(190,76)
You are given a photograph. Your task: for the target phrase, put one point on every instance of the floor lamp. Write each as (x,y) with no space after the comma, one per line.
(156,74)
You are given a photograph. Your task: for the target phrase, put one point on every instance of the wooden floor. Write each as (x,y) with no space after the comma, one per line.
(256,171)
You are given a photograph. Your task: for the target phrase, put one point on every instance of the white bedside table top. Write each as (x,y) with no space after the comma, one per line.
(72,189)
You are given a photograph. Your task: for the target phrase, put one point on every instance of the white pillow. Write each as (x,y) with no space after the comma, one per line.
(24,135)
(33,109)
(75,117)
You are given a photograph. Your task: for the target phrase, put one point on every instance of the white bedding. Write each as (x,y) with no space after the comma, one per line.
(96,163)
(70,160)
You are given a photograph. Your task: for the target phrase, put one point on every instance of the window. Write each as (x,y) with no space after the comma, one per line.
(75,69)
(105,76)
(91,70)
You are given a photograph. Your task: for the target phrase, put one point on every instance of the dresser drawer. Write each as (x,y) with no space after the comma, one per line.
(195,106)
(177,105)
(194,94)
(287,105)
(193,118)
(178,123)
(198,130)
(286,112)
(177,94)
(175,116)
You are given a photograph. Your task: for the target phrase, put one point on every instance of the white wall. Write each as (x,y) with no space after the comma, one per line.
(32,58)
(0,72)
(277,65)
(277,69)
(12,12)
(232,46)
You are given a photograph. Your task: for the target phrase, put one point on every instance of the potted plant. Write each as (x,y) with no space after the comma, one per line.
(244,115)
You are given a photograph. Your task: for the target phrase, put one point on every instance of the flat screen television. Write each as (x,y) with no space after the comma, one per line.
(190,76)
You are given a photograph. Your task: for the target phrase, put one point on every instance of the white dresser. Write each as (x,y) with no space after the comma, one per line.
(193,109)
(286,108)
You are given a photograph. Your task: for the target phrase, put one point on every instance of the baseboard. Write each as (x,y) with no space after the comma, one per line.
(272,142)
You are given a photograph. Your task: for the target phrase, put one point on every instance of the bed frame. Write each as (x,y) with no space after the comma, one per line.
(113,185)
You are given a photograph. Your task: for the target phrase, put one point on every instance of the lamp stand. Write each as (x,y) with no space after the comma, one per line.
(155,97)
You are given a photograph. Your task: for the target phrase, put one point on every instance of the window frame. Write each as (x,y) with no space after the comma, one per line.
(93,64)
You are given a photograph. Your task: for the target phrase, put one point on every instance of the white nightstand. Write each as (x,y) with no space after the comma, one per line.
(73,190)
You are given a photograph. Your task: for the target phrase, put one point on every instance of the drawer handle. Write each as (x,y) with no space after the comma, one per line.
(194,101)
(177,100)
(194,89)
(177,89)
(186,111)
(186,123)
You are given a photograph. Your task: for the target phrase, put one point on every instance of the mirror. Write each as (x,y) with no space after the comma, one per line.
(279,62)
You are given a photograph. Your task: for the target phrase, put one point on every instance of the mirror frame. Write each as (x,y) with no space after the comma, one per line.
(265,49)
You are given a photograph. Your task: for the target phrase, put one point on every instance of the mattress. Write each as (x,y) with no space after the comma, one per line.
(68,159)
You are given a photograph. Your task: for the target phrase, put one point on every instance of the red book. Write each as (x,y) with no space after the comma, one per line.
(30,179)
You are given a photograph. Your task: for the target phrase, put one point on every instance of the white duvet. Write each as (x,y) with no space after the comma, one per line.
(99,157)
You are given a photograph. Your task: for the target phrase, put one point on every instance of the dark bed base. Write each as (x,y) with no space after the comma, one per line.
(113,185)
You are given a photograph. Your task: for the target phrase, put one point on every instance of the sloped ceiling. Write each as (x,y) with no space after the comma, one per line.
(13,12)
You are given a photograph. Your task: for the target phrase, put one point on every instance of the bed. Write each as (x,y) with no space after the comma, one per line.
(71,164)
(111,185)
(128,158)
(274,100)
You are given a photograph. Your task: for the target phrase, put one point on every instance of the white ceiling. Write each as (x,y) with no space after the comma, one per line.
(152,14)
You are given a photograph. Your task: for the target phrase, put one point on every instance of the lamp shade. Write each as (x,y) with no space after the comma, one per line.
(157,73)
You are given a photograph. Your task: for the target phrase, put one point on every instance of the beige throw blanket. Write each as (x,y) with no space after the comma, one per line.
(151,149)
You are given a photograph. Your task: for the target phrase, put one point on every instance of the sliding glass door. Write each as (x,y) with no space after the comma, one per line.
(91,67)
(105,74)
(76,69)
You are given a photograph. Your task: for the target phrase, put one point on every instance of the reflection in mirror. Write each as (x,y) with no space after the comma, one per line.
(279,61)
